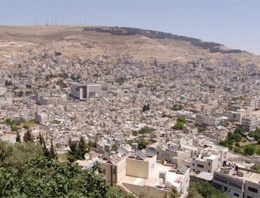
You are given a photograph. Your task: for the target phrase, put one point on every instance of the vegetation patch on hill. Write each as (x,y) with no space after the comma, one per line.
(211,46)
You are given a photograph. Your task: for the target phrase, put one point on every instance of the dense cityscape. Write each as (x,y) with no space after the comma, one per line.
(153,128)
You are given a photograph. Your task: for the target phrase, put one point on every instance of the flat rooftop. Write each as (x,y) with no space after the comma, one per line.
(247,175)
(154,180)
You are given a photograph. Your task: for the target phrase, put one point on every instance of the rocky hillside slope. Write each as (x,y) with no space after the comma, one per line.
(89,42)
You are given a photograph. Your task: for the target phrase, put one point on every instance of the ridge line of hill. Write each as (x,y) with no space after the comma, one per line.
(127,31)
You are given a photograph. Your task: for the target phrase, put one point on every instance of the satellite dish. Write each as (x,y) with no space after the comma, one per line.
(87,156)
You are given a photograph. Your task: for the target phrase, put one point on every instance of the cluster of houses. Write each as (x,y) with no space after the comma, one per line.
(102,100)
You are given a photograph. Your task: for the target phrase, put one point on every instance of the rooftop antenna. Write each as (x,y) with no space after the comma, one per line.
(55,20)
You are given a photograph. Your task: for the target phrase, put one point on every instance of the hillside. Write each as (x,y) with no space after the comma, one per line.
(88,42)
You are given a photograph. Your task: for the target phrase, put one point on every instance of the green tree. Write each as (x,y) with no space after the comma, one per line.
(193,193)
(81,148)
(256,167)
(26,172)
(237,137)
(118,193)
(178,126)
(145,130)
(18,137)
(28,137)
(227,143)
(41,139)
(8,122)
(114,147)
(120,80)
(13,128)
(46,151)
(181,119)
(17,154)
(249,150)
(201,129)
(72,155)
(177,107)
(239,130)
(5,151)
(142,144)
(134,133)
(204,189)
(90,145)
(52,151)
(49,178)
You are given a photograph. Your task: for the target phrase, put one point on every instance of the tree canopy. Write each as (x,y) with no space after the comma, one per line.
(205,190)
(26,172)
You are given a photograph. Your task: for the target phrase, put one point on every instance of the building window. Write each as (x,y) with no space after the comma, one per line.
(209,163)
(104,171)
(200,166)
(236,195)
(193,164)
(249,197)
(252,189)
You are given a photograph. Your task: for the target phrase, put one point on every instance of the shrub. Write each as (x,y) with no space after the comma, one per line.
(249,150)
(237,137)
(181,119)
(256,167)
(204,189)
(239,130)
(176,107)
(201,129)
(178,126)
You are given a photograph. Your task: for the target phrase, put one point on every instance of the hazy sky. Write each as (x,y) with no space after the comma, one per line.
(235,23)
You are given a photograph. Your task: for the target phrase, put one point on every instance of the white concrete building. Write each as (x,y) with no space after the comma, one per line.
(205,163)
(83,91)
(252,103)
(236,115)
(142,175)
(249,123)
(242,183)
(205,120)
(170,153)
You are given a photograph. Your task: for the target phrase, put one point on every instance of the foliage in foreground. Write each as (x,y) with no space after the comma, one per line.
(26,172)
(256,167)
(205,190)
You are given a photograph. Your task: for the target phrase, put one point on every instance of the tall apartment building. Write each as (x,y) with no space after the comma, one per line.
(84,91)
(205,120)
(249,123)
(252,103)
(236,115)
(46,98)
